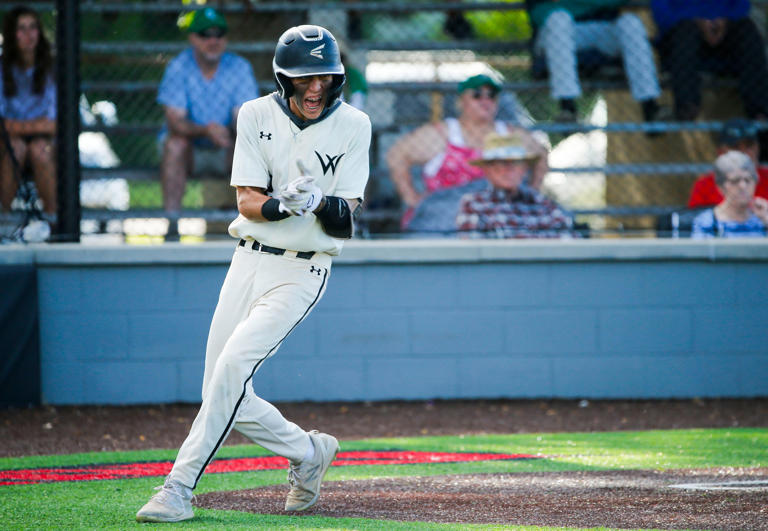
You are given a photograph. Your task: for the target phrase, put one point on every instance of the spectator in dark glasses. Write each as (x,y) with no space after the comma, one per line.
(201,92)
(443,149)
(740,135)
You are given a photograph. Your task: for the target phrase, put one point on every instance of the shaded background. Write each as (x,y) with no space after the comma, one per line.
(615,178)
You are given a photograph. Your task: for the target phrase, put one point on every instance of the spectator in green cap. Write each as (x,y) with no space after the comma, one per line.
(201,93)
(443,149)
(207,18)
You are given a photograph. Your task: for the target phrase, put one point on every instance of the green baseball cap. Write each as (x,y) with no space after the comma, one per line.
(199,21)
(480,80)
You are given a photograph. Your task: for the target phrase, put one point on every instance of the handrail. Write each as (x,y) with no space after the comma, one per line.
(371,215)
(98,6)
(547,127)
(634,169)
(145,47)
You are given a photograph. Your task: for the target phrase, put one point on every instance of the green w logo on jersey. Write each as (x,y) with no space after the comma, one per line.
(331,162)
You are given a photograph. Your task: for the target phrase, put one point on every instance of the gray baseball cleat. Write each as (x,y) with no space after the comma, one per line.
(305,477)
(172,504)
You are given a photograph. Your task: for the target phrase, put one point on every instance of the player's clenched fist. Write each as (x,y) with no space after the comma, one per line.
(301,195)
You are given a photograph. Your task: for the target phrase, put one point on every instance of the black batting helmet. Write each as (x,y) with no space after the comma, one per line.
(307,51)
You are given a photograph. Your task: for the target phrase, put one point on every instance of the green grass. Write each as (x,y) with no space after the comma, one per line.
(148,194)
(112,504)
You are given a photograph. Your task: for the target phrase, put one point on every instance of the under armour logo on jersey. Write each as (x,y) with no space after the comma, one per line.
(331,162)
(262,134)
(317,51)
(316,270)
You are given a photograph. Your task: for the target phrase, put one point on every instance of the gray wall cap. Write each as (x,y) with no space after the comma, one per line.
(407,252)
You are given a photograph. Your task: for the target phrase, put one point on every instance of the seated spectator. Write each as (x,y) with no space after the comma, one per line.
(457,26)
(201,93)
(506,207)
(28,108)
(356,87)
(435,215)
(740,213)
(565,27)
(717,36)
(443,149)
(738,135)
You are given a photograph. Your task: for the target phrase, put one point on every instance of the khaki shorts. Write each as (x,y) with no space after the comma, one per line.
(206,161)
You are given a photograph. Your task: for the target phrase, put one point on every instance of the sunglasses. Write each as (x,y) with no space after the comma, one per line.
(478,94)
(214,33)
(737,180)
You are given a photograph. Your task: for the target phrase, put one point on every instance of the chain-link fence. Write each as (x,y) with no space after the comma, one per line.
(612,112)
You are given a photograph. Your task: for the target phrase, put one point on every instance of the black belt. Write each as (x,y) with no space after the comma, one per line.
(256,246)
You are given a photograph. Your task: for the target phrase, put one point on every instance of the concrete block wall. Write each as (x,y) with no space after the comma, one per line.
(420,320)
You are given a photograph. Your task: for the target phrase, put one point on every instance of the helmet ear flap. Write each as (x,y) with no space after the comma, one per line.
(336,87)
(284,85)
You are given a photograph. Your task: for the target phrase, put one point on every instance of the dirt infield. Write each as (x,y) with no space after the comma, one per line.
(617,499)
(60,430)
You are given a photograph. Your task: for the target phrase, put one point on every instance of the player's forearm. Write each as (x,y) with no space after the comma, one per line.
(38,126)
(250,202)
(337,216)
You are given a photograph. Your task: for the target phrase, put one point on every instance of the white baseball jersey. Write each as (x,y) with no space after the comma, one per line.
(334,150)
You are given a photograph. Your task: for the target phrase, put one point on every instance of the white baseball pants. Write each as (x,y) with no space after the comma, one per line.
(264,297)
(560,37)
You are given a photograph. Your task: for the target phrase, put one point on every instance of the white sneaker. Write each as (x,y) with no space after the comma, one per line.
(172,504)
(305,477)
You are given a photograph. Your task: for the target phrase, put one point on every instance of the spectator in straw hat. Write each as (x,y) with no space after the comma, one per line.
(507,207)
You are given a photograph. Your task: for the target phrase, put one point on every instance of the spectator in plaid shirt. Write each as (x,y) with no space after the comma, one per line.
(507,208)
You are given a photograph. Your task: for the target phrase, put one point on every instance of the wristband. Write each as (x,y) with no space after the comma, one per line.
(270,210)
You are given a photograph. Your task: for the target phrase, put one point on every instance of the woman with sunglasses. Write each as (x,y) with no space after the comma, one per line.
(444,149)
(740,213)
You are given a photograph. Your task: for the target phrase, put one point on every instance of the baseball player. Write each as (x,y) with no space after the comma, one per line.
(300,169)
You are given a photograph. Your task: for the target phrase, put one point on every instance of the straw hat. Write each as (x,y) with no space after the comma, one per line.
(505,148)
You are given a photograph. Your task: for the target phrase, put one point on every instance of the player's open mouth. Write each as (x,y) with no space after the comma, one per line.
(312,104)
